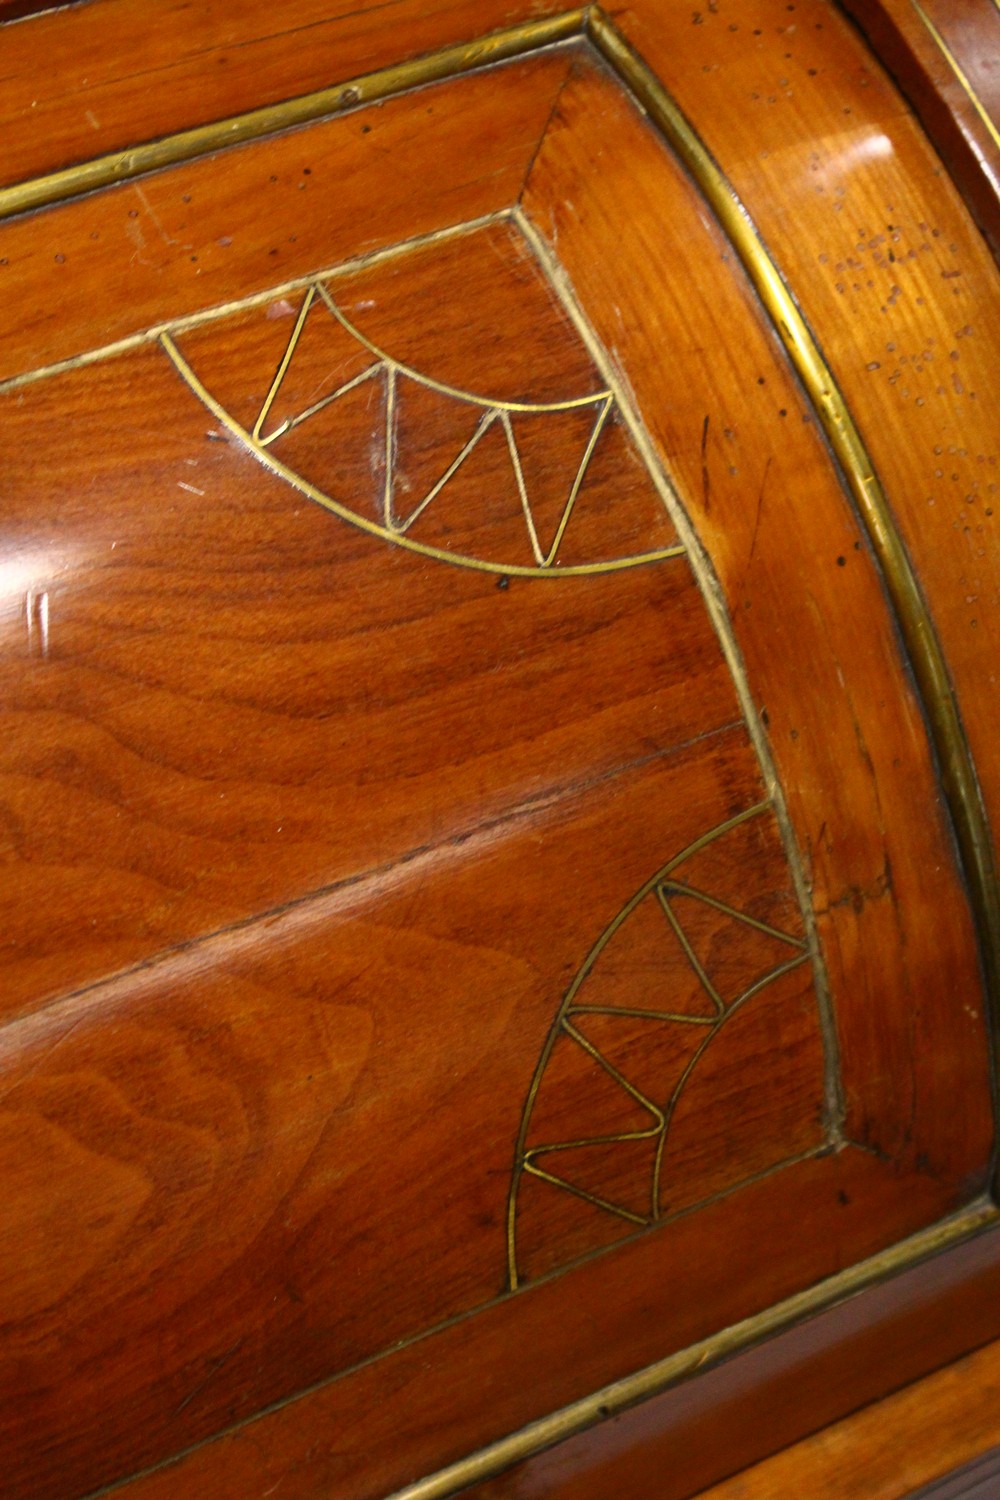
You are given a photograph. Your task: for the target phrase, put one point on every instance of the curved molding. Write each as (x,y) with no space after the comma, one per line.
(956,769)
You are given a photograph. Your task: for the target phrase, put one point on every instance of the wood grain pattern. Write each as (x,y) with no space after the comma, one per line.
(389,1423)
(307,833)
(97,270)
(742,446)
(756,1403)
(174,65)
(834,170)
(237,701)
(891,1448)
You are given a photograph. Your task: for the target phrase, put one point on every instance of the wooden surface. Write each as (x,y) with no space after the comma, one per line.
(945,57)
(755,1404)
(442,930)
(892,1448)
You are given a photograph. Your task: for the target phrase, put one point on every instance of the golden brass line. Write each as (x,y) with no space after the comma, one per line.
(568,403)
(366,88)
(715,603)
(678,888)
(613,1399)
(957,772)
(266,456)
(959,71)
(187,321)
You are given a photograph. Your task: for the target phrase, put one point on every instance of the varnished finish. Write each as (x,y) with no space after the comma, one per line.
(396,696)
(755,1404)
(890,1449)
(945,58)
(901,311)
(137,161)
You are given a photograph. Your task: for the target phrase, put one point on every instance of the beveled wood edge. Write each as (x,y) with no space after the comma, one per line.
(620,1395)
(304,109)
(923,648)
(952,113)
(959,782)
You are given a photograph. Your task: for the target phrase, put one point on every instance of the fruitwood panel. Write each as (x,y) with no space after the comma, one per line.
(97,270)
(893,1447)
(892,275)
(756,1403)
(173,65)
(732,426)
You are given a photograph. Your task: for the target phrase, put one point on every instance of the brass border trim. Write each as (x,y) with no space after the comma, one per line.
(959,781)
(958,775)
(959,72)
(620,1395)
(366,88)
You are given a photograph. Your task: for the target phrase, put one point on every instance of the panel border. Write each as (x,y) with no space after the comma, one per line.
(922,646)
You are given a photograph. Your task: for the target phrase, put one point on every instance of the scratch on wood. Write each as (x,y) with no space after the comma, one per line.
(212,1371)
(760,504)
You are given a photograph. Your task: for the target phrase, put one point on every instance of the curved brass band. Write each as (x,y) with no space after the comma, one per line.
(957,772)
(654,1379)
(956,769)
(122,166)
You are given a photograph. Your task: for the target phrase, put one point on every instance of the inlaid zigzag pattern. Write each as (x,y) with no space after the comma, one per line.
(396,518)
(617,1071)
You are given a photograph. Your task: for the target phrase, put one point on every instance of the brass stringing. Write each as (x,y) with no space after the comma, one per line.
(390,373)
(959,71)
(529,1159)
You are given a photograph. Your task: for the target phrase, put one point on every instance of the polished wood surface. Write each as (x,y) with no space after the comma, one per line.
(463,888)
(892,1448)
(755,1404)
(945,57)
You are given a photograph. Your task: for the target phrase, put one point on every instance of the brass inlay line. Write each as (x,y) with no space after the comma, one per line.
(719,615)
(957,772)
(959,71)
(528,1158)
(393,530)
(613,1399)
(186,145)
(565,404)
(153,333)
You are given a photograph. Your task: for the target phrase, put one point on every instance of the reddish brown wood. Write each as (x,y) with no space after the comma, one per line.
(735,433)
(306,834)
(892,275)
(86,274)
(952,80)
(756,1403)
(220,704)
(393,1421)
(172,66)
(910,1440)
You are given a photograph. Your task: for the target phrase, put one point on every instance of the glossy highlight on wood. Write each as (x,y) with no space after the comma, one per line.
(432,564)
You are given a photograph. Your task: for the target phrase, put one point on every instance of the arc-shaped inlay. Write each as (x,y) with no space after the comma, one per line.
(634,1025)
(393,382)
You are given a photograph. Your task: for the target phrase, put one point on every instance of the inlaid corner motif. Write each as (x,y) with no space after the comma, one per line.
(390,397)
(649,1096)
(669,973)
